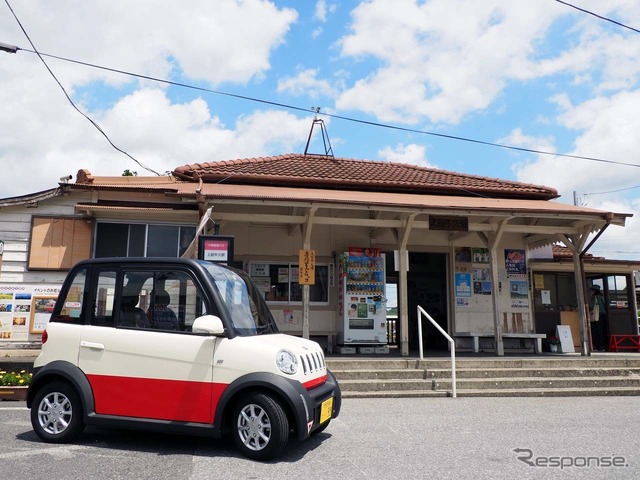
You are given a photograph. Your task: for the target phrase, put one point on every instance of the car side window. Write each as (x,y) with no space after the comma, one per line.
(71,310)
(163,300)
(134,299)
(105,295)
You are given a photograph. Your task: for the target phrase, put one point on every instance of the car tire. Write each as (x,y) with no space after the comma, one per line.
(260,427)
(56,413)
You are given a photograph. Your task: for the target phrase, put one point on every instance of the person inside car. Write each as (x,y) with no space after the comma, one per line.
(159,313)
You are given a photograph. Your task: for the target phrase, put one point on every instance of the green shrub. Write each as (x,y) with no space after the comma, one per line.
(15,379)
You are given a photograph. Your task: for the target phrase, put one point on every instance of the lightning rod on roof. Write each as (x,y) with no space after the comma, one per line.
(328,151)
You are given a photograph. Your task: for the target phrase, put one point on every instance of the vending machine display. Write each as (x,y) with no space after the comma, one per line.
(362,311)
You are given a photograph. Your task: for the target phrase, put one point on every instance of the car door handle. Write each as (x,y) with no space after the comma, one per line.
(93,345)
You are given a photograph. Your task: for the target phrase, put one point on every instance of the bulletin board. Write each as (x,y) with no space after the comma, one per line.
(41,310)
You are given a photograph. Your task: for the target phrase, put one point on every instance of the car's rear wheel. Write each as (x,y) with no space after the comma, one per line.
(261,427)
(56,413)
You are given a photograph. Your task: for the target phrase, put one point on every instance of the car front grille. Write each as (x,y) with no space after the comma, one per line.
(312,362)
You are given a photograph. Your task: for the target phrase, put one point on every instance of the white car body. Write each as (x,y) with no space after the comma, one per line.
(188,378)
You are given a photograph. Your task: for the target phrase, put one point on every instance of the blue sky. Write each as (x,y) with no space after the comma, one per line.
(538,75)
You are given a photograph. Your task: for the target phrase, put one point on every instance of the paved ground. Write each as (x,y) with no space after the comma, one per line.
(440,438)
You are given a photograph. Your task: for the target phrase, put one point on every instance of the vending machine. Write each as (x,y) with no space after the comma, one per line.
(362,313)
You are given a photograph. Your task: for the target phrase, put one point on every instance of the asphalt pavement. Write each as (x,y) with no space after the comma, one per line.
(410,438)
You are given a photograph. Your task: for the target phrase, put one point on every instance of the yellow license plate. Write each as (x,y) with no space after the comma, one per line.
(325,410)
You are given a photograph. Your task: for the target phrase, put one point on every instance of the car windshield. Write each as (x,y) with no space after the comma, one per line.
(247,309)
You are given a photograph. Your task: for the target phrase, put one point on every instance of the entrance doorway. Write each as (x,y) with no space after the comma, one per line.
(619,315)
(427,287)
(555,304)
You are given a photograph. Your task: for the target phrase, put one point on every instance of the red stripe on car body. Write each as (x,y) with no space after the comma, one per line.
(161,399)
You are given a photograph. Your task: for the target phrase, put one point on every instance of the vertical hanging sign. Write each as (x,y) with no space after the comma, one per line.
(307,270)
(216,248)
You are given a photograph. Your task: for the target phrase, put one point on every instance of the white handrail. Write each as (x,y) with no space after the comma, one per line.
(452,343)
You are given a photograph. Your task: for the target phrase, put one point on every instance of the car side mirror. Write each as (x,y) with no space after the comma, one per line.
(208,324)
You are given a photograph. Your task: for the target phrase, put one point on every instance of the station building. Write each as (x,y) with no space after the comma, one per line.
(465,248)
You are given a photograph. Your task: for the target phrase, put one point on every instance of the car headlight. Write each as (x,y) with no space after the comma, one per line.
(286,362)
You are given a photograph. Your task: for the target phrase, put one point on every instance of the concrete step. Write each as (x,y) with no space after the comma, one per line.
(534,372)
(511,383)
(385,374)
(532,383)
(354,363)
(545,375)
(384,385)
(395,394)
(550,392)
(543,361)
(511,392)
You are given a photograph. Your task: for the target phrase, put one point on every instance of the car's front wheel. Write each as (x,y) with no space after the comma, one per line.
(261,427)
(56,413)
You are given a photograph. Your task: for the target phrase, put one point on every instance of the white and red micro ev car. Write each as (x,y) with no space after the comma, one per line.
(176,345)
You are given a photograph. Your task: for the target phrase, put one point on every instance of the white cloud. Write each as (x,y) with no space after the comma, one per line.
(320,13)
(306,83)
(445,70)
(607,129)
(221,41)
(412,154)
(322,10)
(617,242)
(517,138)
(43,138)
(158,133)
(438,69)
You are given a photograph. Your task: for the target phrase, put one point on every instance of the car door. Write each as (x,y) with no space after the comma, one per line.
(143,372)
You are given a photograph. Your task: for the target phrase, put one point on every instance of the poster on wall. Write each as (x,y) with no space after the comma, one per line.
(463,254)
(480,255)
(515,261)
(482,288)
(545,297)
(481,275)
(41,309)
(463,284)
(25,310)
(519,294)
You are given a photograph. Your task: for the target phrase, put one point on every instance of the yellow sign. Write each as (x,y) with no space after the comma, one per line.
(326,410)
(307,271)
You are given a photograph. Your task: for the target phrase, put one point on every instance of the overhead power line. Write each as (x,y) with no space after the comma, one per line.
(331,115)
(613,191)
(35,50)
(598,16)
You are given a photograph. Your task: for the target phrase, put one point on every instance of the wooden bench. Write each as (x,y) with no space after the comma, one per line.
(476,338)
(624,342)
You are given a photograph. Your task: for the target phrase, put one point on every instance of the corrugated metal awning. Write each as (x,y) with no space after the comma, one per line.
(178,215)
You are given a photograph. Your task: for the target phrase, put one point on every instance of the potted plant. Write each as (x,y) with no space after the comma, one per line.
(14,385)
(554,344)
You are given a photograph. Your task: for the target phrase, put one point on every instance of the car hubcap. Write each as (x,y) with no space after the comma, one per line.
(254,427)
(55,413)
